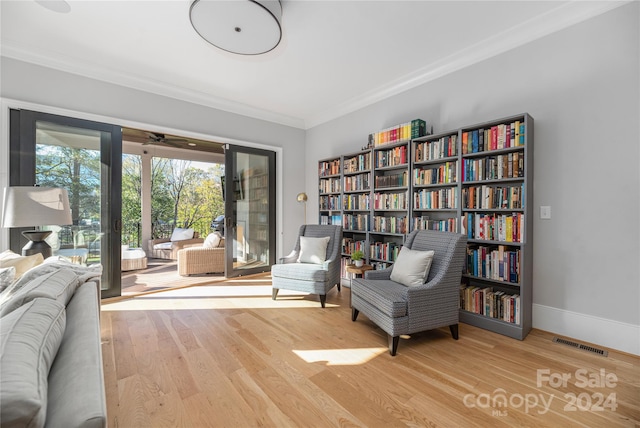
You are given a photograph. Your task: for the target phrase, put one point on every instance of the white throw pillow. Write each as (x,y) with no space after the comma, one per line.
(313,250)
(411,268)
(180,234)
(212,240)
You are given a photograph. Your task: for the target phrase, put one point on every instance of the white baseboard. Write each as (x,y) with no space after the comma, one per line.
(598,331)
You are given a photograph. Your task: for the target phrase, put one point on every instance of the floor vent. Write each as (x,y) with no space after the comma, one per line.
(587,348)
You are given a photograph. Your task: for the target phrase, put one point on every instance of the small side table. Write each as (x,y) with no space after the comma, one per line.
(355,270)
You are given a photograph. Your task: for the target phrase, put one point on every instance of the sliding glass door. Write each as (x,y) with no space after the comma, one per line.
(250,210)
(85,158)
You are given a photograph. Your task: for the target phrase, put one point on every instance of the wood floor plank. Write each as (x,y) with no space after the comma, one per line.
(230,356)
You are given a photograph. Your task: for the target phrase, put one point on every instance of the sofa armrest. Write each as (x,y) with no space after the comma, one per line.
(186,243)
(76,393)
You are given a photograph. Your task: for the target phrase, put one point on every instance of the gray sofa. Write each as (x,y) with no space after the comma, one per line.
(51,371)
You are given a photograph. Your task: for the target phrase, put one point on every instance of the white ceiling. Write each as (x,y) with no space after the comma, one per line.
(334,57)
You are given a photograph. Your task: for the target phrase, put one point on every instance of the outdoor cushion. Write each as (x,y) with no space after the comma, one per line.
(180,234)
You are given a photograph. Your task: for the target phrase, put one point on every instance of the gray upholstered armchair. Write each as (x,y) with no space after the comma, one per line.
(302,271)
(426,304)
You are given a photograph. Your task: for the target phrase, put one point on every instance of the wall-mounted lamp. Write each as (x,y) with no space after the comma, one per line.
(302,197)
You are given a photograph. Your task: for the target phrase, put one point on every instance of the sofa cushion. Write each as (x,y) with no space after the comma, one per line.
(29,340)
(20,263)
(7,275)
(389,297)
(57,285)
(313,250)
(180,234)
(300,271)
(411,268)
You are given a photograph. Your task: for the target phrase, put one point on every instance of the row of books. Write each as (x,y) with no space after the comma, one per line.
(445,173)
(500,263)
(392,157)
(392,180)
(330,203)
(493,197)
(495,138)
(356,222)
(361,162)
(359,201)
(331,219)
(357,182)
(492,227)
(326,168)
(510,165)
(380,265)
(349,245)
(385,251)
(390,201)
(329,185)
(443,147)
(405,131)
(435,199)
(494,304)
(390,224)
(425,223)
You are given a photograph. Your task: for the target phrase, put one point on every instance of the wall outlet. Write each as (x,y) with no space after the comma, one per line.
(545,212)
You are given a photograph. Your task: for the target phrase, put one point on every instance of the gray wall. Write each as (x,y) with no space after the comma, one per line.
(34,84)
(581,87)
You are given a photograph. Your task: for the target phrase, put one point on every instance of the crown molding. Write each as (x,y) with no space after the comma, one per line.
(146,84)
(563,16)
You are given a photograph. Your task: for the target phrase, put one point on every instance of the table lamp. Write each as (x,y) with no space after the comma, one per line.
(26,206)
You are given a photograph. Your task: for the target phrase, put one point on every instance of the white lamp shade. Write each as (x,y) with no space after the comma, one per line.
(26,206)
(247,27)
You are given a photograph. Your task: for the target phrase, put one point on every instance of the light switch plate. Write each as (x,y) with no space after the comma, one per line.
(545,212)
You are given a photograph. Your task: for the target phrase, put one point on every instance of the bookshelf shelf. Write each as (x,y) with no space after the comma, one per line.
(478,176)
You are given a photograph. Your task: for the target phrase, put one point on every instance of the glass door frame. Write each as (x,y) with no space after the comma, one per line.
(22,167)
(230,197)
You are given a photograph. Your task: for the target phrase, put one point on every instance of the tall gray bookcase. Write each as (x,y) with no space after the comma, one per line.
(476,180)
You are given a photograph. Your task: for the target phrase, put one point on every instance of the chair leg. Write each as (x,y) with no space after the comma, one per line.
(338,285)
(454,331)
(274,293)
(354,314)
(393,344)
(323,299)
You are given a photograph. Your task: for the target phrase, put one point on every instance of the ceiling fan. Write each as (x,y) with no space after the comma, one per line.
(154,138)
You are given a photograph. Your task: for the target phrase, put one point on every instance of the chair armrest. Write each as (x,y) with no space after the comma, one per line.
(290,258)
(379,274)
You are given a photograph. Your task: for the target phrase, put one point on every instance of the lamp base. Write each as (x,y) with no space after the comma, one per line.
(37,243)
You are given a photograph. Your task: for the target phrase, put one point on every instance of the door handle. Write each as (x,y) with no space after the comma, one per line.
(117,225)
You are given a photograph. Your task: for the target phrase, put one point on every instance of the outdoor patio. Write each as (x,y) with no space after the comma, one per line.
(161,274)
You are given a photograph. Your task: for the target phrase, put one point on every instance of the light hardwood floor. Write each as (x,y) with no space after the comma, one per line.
(226,355)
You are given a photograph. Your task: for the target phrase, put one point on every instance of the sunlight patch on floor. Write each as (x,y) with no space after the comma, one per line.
(340,357)
(216,297)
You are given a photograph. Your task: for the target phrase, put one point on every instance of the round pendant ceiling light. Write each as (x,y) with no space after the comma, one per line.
(246,27)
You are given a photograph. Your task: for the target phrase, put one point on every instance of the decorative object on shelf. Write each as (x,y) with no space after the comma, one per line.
(26,206)
(357,257)
(302,197)
(245,27)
